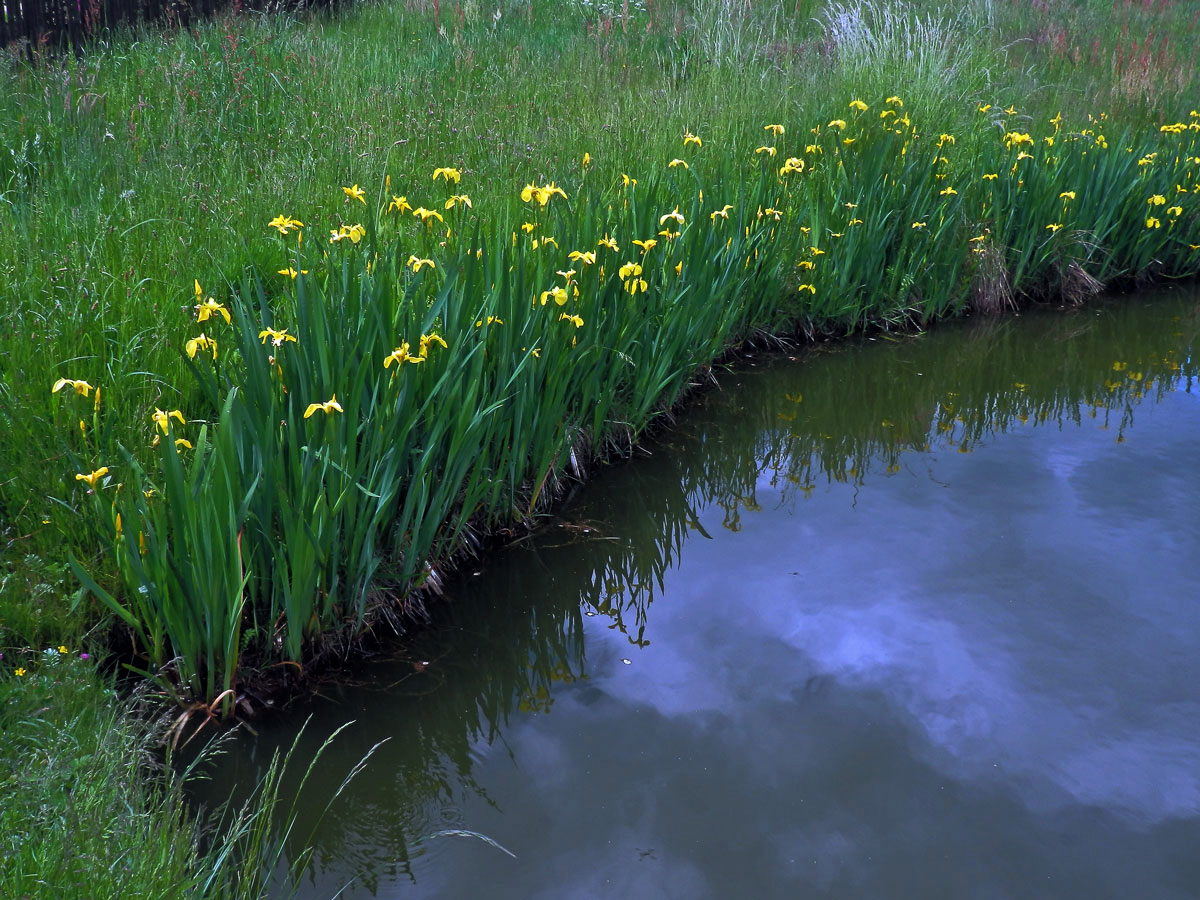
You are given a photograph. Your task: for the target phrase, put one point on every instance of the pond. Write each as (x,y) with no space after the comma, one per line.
(891,617)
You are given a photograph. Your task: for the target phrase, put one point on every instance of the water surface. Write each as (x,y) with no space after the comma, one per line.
(900,617)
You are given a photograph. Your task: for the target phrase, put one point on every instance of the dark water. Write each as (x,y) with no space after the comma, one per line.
(898,618)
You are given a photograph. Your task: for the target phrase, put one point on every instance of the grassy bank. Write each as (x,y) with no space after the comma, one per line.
(87,809)
(524,229)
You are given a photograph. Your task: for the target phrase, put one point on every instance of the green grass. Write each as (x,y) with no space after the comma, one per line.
(155,160)
(193,141)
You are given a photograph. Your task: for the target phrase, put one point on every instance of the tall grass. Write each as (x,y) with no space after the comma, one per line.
(273,530)
(88,809)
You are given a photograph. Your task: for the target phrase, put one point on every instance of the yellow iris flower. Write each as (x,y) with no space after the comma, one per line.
(557,294)
(80,387)
(417,262)
(329,406)
(690,138)
(162,418)
(196,344)
(675,214)
(210,306)
(284,224)
(774,129)
(400,356)
(92,478)
(427,341)
(277,337)
(399,205)
(449,174)
(356,193)
(646,245)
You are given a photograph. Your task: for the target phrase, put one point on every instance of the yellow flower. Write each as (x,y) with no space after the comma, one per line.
(853,222)
(427,341)
(858,105)
(608,242)
(1067,195)
(646,245)
(812,148)
(1174,210)
(677,162)
(675,214)
(634,285)
(577,321)
(587,257)
(399,356)
(62,649)
(1053,228)
(284,224)
(1023,155)
(991,176)
(417,262)
(918,224)
(770,151)
(984,107)
(447,173)
(180,442)
(277,337)
(1016,139)
(292,273)
(1011,111)
(627,180)
(206,309)
(490,320)
(354,232)
(838,124)
(162,418)
(545,242)
(628,270)
(197,344)
(427,215)
(541,194)
(400,205)
(807,287)
(587,160)
(945,139)
(1156,200)
(947,191)
(1153,223)
(806,264)
(20,672)
(92,478)
(329,406)
(774,129)
(723,212)
(895,101)
(460,199)
(816,251)
(356,193)
(557,294)
(669,234)
(80,387)
(679,267)
(690,138)
(791,164)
